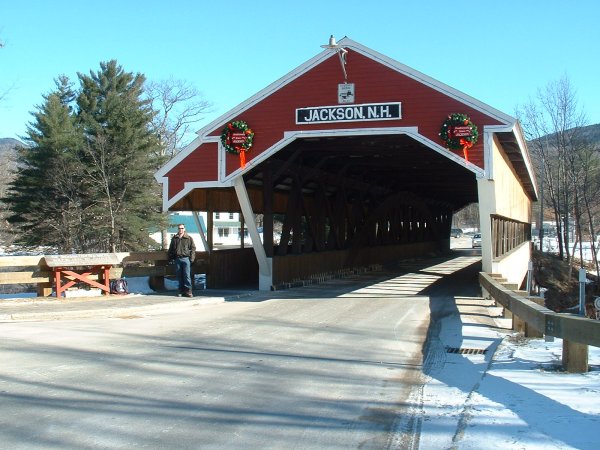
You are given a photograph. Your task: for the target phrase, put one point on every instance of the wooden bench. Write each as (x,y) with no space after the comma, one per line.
(79,268)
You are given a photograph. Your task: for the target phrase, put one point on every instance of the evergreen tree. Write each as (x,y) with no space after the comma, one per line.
(44,199)
(85,182)
(120,157)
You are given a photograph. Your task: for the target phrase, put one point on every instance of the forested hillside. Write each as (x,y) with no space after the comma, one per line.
(7,147)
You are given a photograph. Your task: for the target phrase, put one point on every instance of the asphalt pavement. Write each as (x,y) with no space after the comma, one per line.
(338,364)
(327,365)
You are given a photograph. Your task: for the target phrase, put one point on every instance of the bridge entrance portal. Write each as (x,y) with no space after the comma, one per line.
(345,185)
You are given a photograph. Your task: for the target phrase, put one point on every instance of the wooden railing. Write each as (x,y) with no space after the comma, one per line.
(508,234)
(535,320)
(34,270)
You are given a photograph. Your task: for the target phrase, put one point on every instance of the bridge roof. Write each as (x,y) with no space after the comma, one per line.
(374,150)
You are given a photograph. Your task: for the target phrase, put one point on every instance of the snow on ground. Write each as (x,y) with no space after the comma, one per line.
(514,397)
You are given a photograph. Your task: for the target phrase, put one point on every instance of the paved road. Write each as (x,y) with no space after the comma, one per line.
(326,366)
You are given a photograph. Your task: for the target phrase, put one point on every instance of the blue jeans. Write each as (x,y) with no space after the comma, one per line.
(184,276)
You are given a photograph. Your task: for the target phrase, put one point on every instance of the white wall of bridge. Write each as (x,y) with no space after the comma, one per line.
(502,194)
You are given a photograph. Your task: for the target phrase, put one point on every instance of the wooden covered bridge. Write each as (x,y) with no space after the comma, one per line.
(346,151)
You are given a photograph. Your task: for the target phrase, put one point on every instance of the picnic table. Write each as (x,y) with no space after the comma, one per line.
(72,269)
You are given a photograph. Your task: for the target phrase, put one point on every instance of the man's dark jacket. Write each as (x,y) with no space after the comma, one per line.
(182,246)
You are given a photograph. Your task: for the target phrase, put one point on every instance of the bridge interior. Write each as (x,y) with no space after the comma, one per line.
(349,194)
(371,168)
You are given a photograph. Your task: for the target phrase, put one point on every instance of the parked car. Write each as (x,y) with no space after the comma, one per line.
(476,240)
(456,232)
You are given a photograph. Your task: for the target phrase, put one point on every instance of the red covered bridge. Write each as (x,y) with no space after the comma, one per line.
(357,171)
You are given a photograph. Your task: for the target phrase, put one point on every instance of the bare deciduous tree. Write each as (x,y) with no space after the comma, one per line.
(553,124)
(179,105)
(467,217)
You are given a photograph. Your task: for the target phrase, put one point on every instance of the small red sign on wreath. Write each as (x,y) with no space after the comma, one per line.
(238,138)
(460,131)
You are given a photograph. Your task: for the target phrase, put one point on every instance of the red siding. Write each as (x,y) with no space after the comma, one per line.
(200,165)
(422,107)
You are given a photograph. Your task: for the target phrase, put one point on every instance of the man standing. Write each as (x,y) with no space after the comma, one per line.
(183,251)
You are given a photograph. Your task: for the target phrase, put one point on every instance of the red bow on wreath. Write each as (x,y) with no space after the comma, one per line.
(466,145)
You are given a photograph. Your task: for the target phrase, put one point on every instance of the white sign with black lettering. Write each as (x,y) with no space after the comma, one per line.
(345,93)
(349,113)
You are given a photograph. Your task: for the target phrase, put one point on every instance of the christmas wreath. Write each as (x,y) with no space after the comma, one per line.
(459,133)
(237,138)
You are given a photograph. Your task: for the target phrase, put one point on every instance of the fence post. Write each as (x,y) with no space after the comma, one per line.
(575,357)
(529,330)
(507,313)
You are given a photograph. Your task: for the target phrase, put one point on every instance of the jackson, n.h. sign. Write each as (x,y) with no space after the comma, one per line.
(349,113)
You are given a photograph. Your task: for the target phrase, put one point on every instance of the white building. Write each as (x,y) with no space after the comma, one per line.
(226,229)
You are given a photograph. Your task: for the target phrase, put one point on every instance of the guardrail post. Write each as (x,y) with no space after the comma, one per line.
(575,357)
(522,326)
(529,330)
(507,313)
(518,324)
(486,295)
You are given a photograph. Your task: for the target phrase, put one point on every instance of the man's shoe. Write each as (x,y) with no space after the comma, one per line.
(188,294)
(180,294)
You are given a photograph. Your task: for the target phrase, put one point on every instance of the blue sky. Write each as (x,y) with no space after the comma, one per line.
(500,52)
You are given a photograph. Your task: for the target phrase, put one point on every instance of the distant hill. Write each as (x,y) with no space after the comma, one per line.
(9,144)
(592,133)
(8,152)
